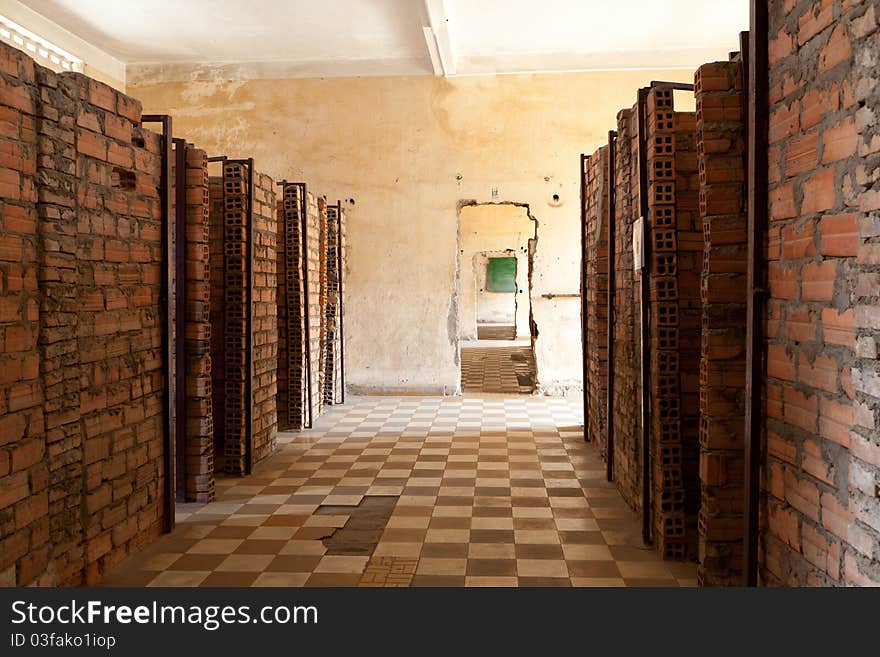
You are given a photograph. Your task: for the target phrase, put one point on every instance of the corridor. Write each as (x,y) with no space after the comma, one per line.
(475,491)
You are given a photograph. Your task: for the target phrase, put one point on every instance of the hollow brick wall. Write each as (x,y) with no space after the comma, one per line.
(332,364)
(316,227)
(596,281)
(81,470)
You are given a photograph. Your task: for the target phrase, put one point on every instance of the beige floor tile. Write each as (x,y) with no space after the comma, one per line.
(341,564)
(392,549)
(577,552)
(490,581)
(441,566)
(491,551)
(179,578)
(541,568)
(304,547)
(598,581)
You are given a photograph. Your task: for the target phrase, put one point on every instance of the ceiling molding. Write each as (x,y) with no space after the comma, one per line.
(95,59)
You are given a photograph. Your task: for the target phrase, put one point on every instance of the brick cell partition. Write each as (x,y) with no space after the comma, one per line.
(316,222)
(217,315)
(81,470)
(820,515)
(627,349)
(332,364)
(199,480)
(666,436)
(292,366)
(236,339)
(265,318)
(230,341)
(596,262)
(719,95)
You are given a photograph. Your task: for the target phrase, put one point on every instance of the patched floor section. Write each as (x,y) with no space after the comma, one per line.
(508,370)
(468,491)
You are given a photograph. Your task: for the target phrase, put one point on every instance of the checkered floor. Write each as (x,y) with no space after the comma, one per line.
(508,370)
(489,491)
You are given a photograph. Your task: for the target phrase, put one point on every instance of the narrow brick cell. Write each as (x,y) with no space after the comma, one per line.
(596,282)
(721,146)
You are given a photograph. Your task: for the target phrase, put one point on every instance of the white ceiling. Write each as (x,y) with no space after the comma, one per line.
(270,38)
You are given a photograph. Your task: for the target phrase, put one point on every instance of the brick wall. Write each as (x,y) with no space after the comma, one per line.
(596,281)
(332,363)
(77,497)
(316,227)
(820,515)
(199,441)
(292,366)
(627,350)
(719,94)
(227,248)
(265,318)
(24,485)
(217,315)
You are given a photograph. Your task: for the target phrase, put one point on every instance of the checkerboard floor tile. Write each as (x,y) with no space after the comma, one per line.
(481,490)
(509,370)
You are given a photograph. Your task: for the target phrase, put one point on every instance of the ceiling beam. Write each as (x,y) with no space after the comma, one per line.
(431,42)
(439,24)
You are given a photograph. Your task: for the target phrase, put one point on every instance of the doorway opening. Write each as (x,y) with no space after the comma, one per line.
(496,335)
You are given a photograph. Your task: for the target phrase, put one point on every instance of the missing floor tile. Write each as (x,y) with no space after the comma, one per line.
(366,522)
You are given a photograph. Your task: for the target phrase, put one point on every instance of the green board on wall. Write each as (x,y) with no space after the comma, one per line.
(501,275)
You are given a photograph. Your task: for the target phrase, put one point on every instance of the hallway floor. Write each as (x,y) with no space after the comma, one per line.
(474,491)
(507,367)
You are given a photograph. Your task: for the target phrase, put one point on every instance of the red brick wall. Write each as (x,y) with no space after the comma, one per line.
(820,514)
(24,477)
(292,367)
(199,482)
(719,94)
(316,227)
(689,239)
(228,312)
(627,350)
(80,496)
(331,362)
(265,318)
(217,314)
(596,263)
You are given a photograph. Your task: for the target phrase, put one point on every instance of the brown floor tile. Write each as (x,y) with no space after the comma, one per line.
(333,579)
(230,579)
(491,567)
(593,569)
(543,581)
(445,550)
(438,581)
(293,563)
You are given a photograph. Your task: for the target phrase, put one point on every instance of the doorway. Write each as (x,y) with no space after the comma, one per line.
(496,248)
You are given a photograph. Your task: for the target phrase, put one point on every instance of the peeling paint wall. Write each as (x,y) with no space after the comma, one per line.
(407,150)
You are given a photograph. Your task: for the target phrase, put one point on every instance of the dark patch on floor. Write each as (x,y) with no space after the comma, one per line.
(366,522)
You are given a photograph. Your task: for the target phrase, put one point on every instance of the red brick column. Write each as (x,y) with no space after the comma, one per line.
(627,354)
(718,89)
(331,363)
(199,483)
(265,318)
(596,263)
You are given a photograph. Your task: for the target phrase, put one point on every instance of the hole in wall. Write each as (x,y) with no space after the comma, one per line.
(122,179)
